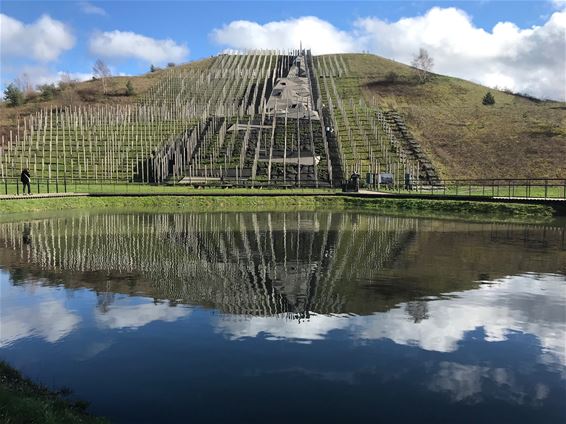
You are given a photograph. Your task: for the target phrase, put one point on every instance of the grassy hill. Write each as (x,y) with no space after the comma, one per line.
(518,137)
(515,138)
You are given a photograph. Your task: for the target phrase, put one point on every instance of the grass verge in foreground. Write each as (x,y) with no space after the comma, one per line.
(22,401)
(412,207)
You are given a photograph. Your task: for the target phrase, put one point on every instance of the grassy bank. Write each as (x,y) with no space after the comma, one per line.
(22,401)
(414,207)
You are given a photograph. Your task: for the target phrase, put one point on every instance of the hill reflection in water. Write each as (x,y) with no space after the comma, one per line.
(276,263)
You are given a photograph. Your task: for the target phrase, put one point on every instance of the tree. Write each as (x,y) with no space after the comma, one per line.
(102,71)
(129,88)
(66,81)
(488,99)
(170,65)
(13,95)
(48,91)
(152,68)
(423,64)
(23,82)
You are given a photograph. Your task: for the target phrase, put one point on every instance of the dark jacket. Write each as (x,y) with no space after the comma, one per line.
(25,177)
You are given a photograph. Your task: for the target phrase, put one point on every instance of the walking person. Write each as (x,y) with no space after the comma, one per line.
(26,181)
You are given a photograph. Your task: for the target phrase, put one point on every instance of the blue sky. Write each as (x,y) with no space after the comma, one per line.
(186,31)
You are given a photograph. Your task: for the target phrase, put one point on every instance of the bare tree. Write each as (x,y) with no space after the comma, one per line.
(423,64)
(66,80)
(23,82)
(102,71)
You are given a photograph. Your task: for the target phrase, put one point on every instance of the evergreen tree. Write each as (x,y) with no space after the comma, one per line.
(488,99)
(48,91)
(152,68)
(13,95)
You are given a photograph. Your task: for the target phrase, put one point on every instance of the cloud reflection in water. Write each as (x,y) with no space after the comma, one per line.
(44,314)
(527,303)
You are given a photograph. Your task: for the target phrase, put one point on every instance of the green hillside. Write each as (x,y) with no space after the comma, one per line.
(518,137)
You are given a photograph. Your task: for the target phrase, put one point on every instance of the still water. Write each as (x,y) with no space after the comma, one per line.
(289,317)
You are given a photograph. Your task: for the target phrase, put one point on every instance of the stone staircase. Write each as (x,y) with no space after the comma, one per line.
(427,171)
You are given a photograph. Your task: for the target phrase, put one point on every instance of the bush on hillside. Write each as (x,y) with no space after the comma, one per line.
(392,77)
(488,99)
(152,68)
(48,91)
(13,95)
(170,65)
(67,81)
(88,94)
(129,88)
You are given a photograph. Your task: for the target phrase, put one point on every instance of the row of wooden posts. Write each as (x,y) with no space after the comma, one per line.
(122,142)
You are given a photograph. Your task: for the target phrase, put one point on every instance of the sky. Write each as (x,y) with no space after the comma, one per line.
(516,45)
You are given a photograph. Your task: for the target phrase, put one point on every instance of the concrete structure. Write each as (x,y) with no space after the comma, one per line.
(291,95)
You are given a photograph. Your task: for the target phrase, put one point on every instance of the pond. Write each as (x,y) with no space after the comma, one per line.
(283,317)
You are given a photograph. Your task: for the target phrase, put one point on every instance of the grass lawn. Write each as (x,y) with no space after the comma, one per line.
(491,211)
(23,401)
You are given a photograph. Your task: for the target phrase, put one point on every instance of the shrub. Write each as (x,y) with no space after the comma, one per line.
(13,95)
(129,88)
(48,91)
(392,76)
(170,65)
(152,68)
(88,94)
(488,99)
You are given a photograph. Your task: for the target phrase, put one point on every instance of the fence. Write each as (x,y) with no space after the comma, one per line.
(534,188)
(13,186)
(527,188)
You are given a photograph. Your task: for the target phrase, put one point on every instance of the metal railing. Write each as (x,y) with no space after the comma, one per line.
(12,186)
(520,188)
(528,188)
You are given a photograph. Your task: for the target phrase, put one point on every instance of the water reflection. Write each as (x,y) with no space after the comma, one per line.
(474,384)
(473,313)
(41,313)
(271,264)
(126,315)
(527,304)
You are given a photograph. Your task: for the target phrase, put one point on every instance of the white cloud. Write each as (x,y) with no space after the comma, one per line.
(44,40)
(39,75)
(531,60)
(523,304)
(91,9)
(469,383)
(44,315)
(314,33)
(135,316)
(279,328)
(125,44)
